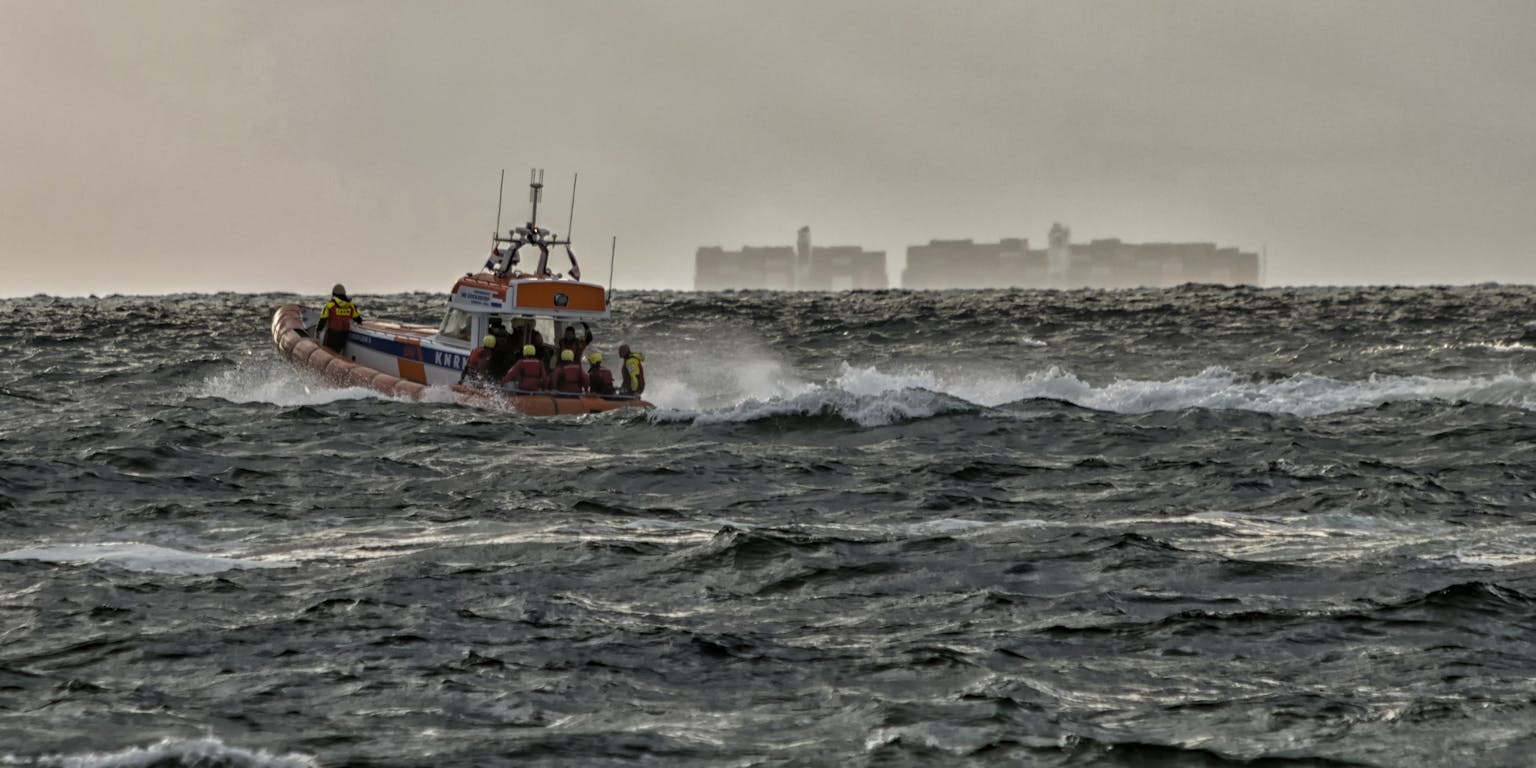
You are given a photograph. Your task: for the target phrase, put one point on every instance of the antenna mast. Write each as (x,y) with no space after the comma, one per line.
(613,250)
(571,222)
(499,191)
(535,191)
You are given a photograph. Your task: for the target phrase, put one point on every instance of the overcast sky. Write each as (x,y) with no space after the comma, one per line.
(156,147)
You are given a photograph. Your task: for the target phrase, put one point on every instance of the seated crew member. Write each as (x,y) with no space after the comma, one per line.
(600,378)
(528,373)
(632,375)
(506,350)
(336,319)
(575,345)
(478,369)
(568,378)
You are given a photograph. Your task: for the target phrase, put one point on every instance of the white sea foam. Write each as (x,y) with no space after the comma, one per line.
(1301,394)
(1347,536)
(276,383)
(749,382)
(195,752)
(744,372)
(865,410)
(134,556)
(870,396)
(1504,346)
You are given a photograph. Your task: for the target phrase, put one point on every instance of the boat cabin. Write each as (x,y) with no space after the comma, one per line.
(548,305)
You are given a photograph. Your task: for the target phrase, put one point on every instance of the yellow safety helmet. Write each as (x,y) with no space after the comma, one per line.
(595,357)
(567,356)
(529,351)
(488,341)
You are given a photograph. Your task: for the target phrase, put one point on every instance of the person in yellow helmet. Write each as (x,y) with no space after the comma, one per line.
(478,369)
(568,377)
(600,379)
(526,374)
(336,319)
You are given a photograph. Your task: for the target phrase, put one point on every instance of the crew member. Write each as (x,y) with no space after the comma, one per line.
(478,369)
(528,373)
(600,378)
(336,319)
(568,378)
(575,345)
(546,352)
(506,350)
(633,377)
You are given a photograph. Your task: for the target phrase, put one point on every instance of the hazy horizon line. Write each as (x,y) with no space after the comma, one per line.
(620,291)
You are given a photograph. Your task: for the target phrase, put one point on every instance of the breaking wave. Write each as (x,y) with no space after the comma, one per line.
(275,383)
(134,556)
(179,753)
(869,397)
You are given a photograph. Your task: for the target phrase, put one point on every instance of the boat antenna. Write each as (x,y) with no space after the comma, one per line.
(535,191)
(499,191)
(571,222)
(613,250)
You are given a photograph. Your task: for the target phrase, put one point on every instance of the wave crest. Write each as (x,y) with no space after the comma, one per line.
(178,753)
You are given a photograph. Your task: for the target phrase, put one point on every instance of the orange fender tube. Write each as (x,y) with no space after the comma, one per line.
(318,358)
(358,376)
(410,389)
(302,349)
(381,382)
(287,341)
(336,370)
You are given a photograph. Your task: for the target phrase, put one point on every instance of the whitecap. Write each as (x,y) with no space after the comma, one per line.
(134,556)
(173,752)
(275,382)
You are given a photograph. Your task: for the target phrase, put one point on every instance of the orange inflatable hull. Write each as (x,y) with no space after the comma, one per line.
(294,343)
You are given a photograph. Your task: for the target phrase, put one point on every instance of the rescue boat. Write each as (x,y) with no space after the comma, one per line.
(405,359)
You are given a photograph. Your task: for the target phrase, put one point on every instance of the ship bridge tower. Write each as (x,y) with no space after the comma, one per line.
(1058,255)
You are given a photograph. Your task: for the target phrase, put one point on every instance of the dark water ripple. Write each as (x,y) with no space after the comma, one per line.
(1189,527)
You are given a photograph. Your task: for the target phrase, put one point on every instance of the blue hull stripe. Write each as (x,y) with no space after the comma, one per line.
(447,359)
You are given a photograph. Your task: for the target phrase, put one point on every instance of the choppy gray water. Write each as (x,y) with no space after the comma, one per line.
(1198,526)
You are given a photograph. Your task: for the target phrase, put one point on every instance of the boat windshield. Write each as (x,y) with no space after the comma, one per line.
(545,326)
(456,324)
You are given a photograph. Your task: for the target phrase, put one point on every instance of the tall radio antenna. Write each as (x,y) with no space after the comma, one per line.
(571,222)
(499,190)
(613,252)
(535,191)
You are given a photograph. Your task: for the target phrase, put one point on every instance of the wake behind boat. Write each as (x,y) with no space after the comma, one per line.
(517,307)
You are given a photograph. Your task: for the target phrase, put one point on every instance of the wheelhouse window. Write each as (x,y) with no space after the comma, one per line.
(456,324)
(517,325)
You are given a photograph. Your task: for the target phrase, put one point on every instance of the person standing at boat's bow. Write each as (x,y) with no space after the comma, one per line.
(336,319)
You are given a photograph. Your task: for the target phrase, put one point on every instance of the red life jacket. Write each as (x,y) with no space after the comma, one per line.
(479,362)
(570,378)
(601,379)
(526,373)
(338,314)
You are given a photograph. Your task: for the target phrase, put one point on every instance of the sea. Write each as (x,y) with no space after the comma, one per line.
(1196,526)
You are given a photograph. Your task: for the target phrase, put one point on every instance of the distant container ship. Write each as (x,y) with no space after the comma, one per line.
(782,268)
(1008,263)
